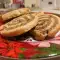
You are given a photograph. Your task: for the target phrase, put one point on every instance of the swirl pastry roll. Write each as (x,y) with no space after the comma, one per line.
(14,13)
(19,25)
(48,25)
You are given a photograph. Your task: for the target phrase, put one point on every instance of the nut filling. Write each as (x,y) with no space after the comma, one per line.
(20,21)
(46,24)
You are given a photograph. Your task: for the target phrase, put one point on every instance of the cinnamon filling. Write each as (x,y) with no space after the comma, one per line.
(55,23)
(46,23)
(20,21)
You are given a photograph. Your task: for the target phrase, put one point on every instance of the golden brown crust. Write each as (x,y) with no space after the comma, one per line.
(37,35)
(14,13)
(48,25)
(53,32)
(21,29)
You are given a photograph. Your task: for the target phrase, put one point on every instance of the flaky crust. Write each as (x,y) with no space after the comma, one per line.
(38,35)
(53,32)
(14,13)
(20,30)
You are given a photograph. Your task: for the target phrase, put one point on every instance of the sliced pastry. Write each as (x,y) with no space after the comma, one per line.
(14,13)
(19,25)
(48,25)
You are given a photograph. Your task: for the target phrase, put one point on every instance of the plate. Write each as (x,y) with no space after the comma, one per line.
(51,52)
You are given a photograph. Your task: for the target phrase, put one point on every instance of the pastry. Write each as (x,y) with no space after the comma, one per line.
(19,25)
(14,13)
(48,25)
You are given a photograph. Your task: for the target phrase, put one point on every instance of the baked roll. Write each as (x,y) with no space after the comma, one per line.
(19,25)
(14,13)
(48,25)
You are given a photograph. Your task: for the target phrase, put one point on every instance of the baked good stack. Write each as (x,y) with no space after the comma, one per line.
(40,25)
